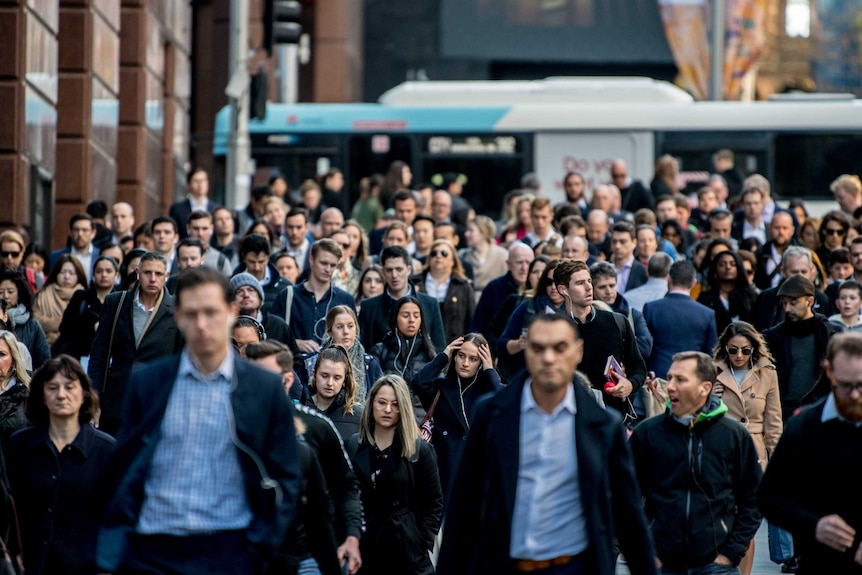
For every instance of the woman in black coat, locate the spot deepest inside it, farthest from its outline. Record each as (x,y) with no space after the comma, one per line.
(54,468)
(78,327)
(730,296)
(333,390)
(19,311)
(400,485)
(444,279)
(406,348)
(469,374)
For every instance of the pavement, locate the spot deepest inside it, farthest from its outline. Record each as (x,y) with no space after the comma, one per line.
(762,564)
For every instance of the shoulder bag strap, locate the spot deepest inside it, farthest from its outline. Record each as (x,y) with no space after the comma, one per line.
(111,341)
(288,302)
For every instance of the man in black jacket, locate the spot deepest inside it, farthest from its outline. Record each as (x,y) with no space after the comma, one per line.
(825,521)
(798,345)
(699,473)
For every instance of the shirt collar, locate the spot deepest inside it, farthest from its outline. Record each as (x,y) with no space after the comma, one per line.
(81,443)
(528,402)
(628,263)
(408,294)
(224,371)
(86,253)
(830,412)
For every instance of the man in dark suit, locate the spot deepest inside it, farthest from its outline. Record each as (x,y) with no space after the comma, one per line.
(82,230)
(135,326)
(631,273)
(205,477)
(677,322)
(545,479)
(374,314)
(198,199)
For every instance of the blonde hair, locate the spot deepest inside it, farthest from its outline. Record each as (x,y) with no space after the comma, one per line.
(338,354)
(18,366)
(13,236)
(848,183)
(457,268)
(407,429)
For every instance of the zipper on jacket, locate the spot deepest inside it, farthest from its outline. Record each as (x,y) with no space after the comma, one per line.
(266,482)
(688,490)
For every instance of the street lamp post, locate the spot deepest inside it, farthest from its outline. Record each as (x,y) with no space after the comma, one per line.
(238,178)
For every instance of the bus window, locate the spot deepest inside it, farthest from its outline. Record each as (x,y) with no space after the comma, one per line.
(371,154)
(805,164)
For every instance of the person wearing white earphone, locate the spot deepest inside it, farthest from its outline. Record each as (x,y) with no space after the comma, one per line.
(604,334)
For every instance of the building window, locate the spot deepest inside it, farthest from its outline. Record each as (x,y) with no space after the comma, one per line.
(797,18)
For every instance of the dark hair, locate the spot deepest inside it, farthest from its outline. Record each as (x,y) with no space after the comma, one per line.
(192,172)
(566,269)
(564,211)
(253,244)
(154,257)
(834,216)
(422,218)
(402,196)
(82,217)
(798,203)
(297,211)
(193,243)
(98,209)
(25,296)
(569,222)
(839,256)
(423,336)
(704,368)
(164,220)
(358,296)
(475,338)
(197,277)
(260,192)
(145,229)
(624,228)
(127,279)
(200,215)
(67,259)
(707,258)
(603,270)
(114,263)
(395,252)
(67,366)
(677,227)
(264,349)
(545,317)
(848,285)
(682,274)
(748,331)
(741,281)
(37,249)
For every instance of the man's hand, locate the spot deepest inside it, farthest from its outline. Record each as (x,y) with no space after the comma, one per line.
(307,345)
(834,532)
(349,551)
(722,560)
(623,388)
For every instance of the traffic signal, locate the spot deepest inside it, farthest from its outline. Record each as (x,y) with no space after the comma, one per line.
(281,23)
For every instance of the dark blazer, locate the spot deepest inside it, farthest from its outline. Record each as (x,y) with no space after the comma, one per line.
(374,319)
(78,326)
(678,323)
(180,212)
(110,375)
(481,503)
(402,505)
(266,444)
(742,303)
(55,255)
(788,499)
(637,277)
(457,309)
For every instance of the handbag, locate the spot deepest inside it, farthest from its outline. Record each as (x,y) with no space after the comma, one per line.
(426,428)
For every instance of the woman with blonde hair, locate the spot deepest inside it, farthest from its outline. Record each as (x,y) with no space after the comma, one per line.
(664,180)
(521,223)
(66,277)
(332,390)
(399,482)
(14,387)
(443,279)
(748,385)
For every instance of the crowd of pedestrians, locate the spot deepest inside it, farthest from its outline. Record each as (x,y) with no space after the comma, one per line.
(403,386)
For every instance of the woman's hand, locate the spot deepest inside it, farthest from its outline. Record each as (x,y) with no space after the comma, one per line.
(454,346)
(485,356)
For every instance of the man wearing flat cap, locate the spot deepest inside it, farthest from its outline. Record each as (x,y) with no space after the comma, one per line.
(798,345)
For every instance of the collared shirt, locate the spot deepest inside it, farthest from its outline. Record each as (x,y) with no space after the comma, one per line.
(141,305)
(198,206)
(771,264)
(623,274)
(759,232)
(830,412)
(308,314)
(86,259)
(300,254)
(549,516)
(437,290)
(196,484)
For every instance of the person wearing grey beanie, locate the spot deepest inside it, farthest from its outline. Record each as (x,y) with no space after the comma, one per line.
(249,296)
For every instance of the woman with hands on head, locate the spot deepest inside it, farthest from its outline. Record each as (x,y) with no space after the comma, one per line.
(461,374)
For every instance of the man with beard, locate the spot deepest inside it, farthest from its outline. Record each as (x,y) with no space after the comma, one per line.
(826,522)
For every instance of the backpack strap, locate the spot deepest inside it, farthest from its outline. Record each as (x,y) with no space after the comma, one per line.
(621,325)
(111,341)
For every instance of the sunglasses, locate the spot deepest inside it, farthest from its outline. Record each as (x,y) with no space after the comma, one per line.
(736,350)
(444,253)
(9,254)
(834,232)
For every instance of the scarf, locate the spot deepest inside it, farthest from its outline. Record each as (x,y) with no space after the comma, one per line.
(51,302)
(18,316)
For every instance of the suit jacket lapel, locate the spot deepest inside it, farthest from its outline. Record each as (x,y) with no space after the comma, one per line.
(506,439)
(587,437)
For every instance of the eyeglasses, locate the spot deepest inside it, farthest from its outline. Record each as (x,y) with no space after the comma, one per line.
(5,255)
(847,387)
(736,350)
(382,404)
(444,253)
(834,231)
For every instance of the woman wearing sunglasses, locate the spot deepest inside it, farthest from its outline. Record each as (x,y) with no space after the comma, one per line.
(444,279)
(748,384)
